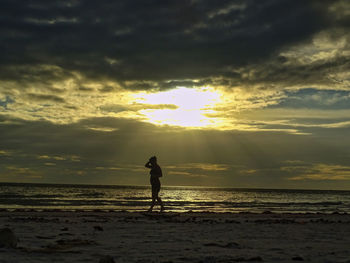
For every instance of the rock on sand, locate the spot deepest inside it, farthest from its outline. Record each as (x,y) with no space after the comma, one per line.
(106,259)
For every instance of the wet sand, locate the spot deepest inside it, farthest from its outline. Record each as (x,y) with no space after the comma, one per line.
(88,236)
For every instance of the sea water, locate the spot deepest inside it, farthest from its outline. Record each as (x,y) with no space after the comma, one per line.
(176,199)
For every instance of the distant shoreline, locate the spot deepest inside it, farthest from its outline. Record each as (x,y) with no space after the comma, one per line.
(171,187)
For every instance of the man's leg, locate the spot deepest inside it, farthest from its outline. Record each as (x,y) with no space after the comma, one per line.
(161,203)
(154,197)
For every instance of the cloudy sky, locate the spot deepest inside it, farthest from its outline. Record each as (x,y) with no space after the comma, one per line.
(226,93)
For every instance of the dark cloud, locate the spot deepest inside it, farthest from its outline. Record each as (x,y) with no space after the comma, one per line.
(283,73)
(44,97)
(156,40)
(136,107)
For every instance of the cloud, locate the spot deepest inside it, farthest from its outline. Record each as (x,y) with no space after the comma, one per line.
(70,70)
(222,158)
(259,53)
(136,107)
(5,153)
(319,172)
(21,170)
(187,39)
(45,98)
(316,99)
(72,158)
(7,100)
(186,174)
(196,169)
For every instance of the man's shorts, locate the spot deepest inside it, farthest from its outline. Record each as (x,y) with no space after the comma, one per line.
(155,188)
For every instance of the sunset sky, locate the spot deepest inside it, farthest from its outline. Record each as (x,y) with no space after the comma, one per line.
(225,93)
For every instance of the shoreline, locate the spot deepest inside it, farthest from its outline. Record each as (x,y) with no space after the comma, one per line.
(147,186)
(156,211)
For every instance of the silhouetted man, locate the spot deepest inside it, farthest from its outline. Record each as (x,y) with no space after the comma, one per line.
(155,172)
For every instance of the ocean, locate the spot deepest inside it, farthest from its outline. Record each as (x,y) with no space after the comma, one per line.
(176,199)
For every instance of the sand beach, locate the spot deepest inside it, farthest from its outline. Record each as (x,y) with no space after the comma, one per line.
(110,236)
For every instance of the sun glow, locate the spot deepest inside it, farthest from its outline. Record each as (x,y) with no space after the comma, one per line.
(187,107)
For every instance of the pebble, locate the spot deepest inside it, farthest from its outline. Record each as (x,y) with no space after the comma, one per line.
(98,228)
(297,258)
(106,259)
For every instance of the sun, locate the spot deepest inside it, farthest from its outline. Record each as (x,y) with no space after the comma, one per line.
(185,107)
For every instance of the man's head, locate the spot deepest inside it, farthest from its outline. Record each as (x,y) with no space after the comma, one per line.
(153,160)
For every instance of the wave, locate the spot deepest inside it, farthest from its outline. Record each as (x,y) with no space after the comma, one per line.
(143,201)
(11,195)
(16,195)
(45,196)
(91,195)
(137,198)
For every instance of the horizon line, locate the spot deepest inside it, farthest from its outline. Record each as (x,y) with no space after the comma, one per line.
(175,186)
